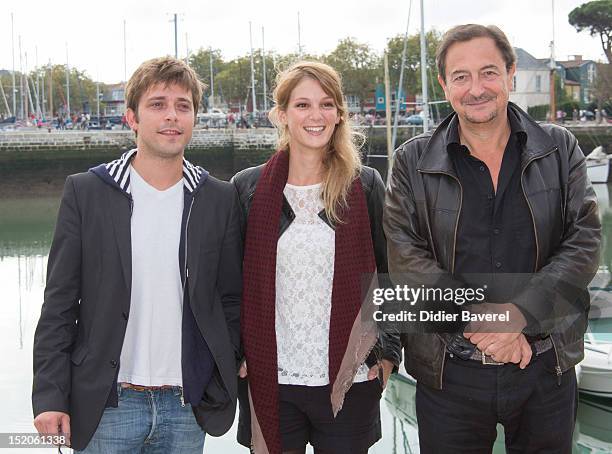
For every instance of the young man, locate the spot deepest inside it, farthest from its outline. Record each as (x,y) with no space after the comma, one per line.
(137,345)
(492,195)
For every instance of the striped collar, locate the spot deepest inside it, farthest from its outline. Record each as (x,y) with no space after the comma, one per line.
(119,170)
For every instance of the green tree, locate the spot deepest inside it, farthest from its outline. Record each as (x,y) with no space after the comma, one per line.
(358,65)
(82,90)
(234,80)
(602,88)
(412,68)
(200,62)
(596,17)
(7,86)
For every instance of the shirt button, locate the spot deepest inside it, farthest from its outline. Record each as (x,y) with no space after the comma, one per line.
(113,363)
(496,231)
(482,169)
(497,264)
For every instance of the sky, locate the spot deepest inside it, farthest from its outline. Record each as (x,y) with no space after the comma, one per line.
(90,35)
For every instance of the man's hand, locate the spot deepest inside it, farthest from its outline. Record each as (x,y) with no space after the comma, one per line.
(387,367)
(503,341)
(243,370)
(492,343)
(491,336)
(53,423)
(518,352)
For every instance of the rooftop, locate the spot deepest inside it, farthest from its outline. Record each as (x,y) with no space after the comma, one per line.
(524,60)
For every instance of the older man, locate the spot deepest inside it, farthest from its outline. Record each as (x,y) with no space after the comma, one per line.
(492,193)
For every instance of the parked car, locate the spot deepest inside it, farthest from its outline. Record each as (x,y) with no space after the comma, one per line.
(414,120)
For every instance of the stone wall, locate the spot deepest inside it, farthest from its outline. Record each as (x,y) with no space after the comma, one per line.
(234,139)
(120,140)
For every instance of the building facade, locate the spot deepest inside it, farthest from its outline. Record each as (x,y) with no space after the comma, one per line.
(579,77)
(531,83)
(113,99)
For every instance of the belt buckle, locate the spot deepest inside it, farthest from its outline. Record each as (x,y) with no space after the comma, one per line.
(487,360)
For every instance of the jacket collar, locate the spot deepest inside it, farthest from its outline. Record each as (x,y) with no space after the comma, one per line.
(435,157)
(117,173)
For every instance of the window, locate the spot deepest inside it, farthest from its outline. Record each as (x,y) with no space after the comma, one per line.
(591,73)
(352,101)
(538,83)
(117,95)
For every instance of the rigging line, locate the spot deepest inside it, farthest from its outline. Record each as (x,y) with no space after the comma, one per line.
(401,79)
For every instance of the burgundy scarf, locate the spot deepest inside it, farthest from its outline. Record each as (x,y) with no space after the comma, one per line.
(354,256)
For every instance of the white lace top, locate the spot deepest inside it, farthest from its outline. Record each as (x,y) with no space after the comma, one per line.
(304,274)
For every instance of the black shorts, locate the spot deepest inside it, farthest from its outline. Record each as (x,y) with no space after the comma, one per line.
(306,417)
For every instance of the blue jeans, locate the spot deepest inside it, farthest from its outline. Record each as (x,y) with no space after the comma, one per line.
(147,422)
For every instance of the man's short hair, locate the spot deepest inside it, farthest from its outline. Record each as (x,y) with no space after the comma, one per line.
(166,71)
(467,32)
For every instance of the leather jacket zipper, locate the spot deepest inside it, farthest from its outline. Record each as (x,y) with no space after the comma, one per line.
(454,245)
(458,212)
(558,370)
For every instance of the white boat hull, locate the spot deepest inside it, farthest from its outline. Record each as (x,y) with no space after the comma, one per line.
(596,370)
(599,171)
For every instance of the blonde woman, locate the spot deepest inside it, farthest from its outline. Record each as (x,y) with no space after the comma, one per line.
(313,229)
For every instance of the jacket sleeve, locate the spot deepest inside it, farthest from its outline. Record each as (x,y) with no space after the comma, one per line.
(229,281)
(389,341)
(557,290)
(243,202)
(57,327)
(407,245)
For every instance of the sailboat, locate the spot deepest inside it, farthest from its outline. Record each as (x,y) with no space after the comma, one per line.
(598,166)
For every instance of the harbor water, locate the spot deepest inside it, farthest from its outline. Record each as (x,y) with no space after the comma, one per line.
(26,228)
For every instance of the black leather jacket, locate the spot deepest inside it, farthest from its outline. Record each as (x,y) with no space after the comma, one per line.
(422,210)
(388,347)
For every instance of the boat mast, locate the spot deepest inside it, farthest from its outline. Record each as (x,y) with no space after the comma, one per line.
(175,36)
(252,71)
(401,80)
(21,111)
(4,99)
(263,57)
(299,37)
(124,54)
(424,72)
(553,107)
(67,84)
(13,75)
(212,80)
(388,116)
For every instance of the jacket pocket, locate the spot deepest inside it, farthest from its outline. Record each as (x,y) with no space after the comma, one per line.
(215,396)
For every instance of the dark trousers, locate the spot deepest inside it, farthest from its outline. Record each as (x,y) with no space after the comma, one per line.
(538,414)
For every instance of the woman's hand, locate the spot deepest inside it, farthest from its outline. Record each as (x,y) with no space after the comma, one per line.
(242,372)
(387,367)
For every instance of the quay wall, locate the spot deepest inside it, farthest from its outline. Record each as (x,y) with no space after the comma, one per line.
(38,140)
(236,139)
(38,160)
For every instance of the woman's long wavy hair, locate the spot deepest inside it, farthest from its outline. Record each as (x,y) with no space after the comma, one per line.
(342,162)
